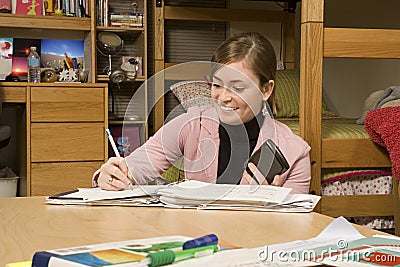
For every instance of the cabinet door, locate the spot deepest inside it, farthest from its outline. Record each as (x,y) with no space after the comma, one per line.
(52,142)
(53,178)
(67,104)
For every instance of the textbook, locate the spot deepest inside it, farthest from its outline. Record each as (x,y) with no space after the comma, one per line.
(140,252)
(106,254)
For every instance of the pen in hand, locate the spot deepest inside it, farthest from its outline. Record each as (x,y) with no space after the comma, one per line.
(111,139)
(116,152)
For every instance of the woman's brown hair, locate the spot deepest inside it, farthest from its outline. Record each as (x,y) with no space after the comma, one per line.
(257,54)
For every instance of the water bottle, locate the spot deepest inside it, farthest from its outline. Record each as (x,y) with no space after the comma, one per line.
(33,66)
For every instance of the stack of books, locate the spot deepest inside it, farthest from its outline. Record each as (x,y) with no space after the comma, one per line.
(120,19)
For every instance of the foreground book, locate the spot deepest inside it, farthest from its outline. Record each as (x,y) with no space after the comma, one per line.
(141,252)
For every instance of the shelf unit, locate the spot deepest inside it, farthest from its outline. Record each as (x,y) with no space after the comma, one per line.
(135,45)
(60,138)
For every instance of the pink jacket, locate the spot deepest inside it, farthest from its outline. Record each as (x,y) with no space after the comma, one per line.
(194,135)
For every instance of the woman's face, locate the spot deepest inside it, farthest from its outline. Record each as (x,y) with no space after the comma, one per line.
(236,93)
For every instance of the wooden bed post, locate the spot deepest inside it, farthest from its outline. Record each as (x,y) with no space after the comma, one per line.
(311,54)
(289,43)
(158,7)
(396,205)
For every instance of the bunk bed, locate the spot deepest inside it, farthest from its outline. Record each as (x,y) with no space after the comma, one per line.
(319,42)
(357,151)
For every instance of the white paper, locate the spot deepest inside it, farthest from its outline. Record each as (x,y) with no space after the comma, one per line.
(207,192)
(96,193)
(339,228)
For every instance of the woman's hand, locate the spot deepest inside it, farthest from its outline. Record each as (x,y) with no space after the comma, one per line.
(114,175)
(259,176)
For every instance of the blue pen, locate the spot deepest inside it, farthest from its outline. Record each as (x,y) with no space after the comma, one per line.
(207,240)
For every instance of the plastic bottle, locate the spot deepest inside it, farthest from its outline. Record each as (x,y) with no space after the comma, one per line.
(33,66)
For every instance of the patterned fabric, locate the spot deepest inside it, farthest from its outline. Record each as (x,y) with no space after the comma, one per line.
(363,185)
(192,93)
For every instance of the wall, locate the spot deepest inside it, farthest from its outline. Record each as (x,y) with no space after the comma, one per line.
(348,82)
(271,30)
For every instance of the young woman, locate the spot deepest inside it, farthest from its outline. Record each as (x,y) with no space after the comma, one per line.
(216,142)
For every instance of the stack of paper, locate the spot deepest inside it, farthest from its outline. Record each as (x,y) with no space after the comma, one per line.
(196,194)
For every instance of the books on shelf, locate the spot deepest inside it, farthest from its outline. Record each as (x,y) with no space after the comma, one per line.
(29,7)
(126,19)
(74,8)
(194,194)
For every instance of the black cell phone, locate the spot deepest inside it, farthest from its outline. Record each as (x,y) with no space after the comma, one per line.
(269,161)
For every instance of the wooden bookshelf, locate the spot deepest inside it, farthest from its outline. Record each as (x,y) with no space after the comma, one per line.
(45,22)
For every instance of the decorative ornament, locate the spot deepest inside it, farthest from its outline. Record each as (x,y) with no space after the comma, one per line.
(70,75)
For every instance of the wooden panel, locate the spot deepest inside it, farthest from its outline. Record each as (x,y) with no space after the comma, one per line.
(51,142)
(312,11)
(158,34)
(55,104)
(222,14)
(44,22)
(189,71)
(158,96)
(396,200)
(289,31)
(361,43)
(52,178)
(353,153)
(311,95)
(13,94)
(365,205)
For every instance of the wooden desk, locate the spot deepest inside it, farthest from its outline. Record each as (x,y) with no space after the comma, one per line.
(28,225)
(60,134)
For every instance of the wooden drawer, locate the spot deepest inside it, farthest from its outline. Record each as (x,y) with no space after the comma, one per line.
(53,178)
(53,142)
(69,104)
(13,94)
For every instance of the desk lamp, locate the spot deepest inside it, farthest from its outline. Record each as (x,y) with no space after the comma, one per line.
(110,44)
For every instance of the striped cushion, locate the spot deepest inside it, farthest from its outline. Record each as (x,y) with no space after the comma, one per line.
(287,92)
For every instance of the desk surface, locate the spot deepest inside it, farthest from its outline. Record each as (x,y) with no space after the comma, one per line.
(28,225)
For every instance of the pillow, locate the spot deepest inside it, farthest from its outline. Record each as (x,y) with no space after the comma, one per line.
(287,93)
(192,93)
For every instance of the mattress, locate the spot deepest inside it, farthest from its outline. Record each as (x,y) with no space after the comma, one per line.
(332,127)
